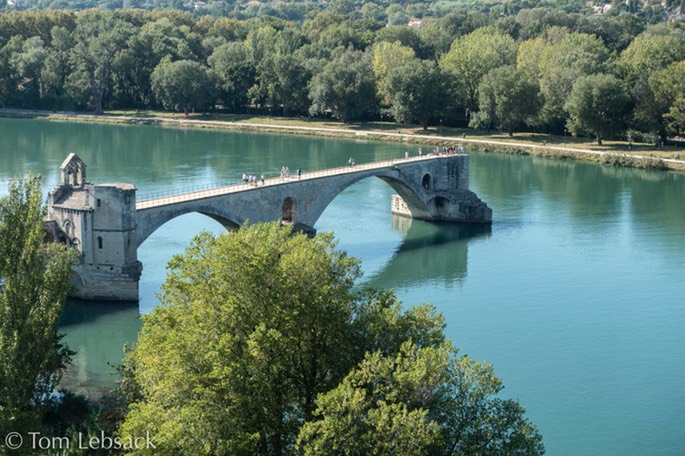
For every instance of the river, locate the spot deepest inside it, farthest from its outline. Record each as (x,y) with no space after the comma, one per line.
(576,294)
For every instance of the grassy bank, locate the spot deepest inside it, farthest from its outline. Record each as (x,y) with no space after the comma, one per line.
(612,153)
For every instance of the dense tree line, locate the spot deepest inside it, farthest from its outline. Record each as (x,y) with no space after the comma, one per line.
(542,69)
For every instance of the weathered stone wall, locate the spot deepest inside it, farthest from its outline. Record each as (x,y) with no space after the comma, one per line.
(114,225)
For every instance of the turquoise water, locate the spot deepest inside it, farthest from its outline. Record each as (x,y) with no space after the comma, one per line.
(576,294)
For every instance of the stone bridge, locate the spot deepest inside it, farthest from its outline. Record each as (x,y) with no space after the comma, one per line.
(107,225)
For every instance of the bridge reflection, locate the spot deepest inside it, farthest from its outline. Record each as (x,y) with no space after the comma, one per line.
(431,252)
(97,331)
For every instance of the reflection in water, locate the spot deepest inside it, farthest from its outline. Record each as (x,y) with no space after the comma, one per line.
(429,253)
(97,332)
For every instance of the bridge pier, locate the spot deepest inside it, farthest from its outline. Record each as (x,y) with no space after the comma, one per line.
(106,224)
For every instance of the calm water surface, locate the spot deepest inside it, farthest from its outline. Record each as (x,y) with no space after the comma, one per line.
(576,293)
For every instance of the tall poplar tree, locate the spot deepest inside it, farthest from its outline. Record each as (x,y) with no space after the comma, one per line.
(34,279)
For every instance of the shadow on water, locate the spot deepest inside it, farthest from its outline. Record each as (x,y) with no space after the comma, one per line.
(431,252)
(97,332)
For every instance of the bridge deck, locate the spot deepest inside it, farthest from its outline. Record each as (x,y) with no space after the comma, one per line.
(275,181)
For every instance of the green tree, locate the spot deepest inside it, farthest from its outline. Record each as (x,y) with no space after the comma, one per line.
(562,62)
(29,64)
(555,61)
(650,52)
(57,66)
(386,56)
(236,71)
(9,78)
(668,88)
(598,104)
(381,408)
(675,117)
(271,310)
(34,279)
(100,38)
(422,400)
(259,323)
(182,86)
(163,37)
(417,92)
(255,325)
(473,56)
(373,11)
(342,7)
(282,71)
(507,99)
(345,86)
(401,34)
(285,78)
(647,54)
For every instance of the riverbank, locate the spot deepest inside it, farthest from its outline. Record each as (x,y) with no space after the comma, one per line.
(613,153)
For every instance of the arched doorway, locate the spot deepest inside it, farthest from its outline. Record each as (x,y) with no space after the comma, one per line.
(288,210)
(426,181)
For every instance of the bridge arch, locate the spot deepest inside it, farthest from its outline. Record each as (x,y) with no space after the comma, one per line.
(150,220)
(410,190)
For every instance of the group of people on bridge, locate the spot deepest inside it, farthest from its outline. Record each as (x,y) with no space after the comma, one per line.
(285,172)
(451,150)
(252,179)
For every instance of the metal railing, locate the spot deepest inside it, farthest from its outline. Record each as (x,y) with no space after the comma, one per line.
(177,195)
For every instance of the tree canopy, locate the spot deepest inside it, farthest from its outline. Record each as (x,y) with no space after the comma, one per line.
(182,85)
(260,326)
(507,99)
(598,104)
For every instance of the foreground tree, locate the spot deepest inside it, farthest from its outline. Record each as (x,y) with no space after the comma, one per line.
(34,279)
(598,105)
(417,402)
(256,325)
